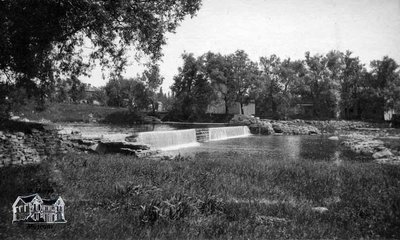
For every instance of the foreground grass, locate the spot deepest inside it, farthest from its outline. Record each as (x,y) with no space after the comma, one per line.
(231,196)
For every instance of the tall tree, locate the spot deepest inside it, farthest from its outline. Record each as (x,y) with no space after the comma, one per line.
(132,93)
(269,86)
(41,40)
(153,79)
(386,81)
(77,91)
(318,86)
(335,65)
(216,69)
(192,90)
(242,77)
(351,86)
(279,85)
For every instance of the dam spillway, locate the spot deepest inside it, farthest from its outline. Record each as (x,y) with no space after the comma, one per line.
(167,140)
(223,133)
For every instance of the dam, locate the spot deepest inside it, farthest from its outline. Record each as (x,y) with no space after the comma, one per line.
(168,140)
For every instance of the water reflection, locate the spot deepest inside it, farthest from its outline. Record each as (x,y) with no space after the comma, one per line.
(285,148)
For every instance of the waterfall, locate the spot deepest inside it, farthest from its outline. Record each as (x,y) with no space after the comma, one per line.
(167,140)
(222,133)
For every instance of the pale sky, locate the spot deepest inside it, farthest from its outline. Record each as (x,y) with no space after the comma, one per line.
(287,28)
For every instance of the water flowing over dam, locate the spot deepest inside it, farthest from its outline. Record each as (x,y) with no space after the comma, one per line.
(223,133)
(167,140)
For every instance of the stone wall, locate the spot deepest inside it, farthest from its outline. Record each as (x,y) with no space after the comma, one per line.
(19,148)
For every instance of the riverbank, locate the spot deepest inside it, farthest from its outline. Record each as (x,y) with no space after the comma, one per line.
(300,127)
(381,145)
(65,112)
(82,113)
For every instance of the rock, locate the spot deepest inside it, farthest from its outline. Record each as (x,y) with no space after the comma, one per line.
(314,131)
(120,147)
(132,138)
(266,129)
(277,128)
(254,128)
(362,144)
(394,160)
(296,131)
(319,209)
(382,154)
(246,122)
(44,121)
(86,142)
(334,138)
(239,119)
(94,147)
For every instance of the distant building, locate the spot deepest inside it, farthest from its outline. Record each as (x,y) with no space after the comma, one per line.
(305,109)
(248,109)
(388,115)
(160,107)
(220,108)
(33,208)
(90,90)
(216,107)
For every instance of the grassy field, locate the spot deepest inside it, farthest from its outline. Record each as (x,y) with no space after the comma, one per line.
(64,112)
(234,196)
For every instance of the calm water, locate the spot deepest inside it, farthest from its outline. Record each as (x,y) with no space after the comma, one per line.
(314,148)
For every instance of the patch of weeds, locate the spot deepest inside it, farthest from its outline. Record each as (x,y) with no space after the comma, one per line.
(211,205)
(173,209)
(130,188)
(176,158)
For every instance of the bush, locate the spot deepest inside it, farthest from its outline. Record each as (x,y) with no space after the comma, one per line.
(396,120)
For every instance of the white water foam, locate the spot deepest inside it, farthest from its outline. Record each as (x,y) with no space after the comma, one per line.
(169,140)
(223,133)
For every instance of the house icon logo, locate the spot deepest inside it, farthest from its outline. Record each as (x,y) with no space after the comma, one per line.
(34,209)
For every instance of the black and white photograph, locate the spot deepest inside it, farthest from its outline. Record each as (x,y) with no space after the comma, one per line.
(199,119)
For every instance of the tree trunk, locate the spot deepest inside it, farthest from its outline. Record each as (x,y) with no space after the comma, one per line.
(226,106)
(153,106)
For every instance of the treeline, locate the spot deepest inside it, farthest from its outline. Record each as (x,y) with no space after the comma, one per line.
(139,93)
(333,85)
